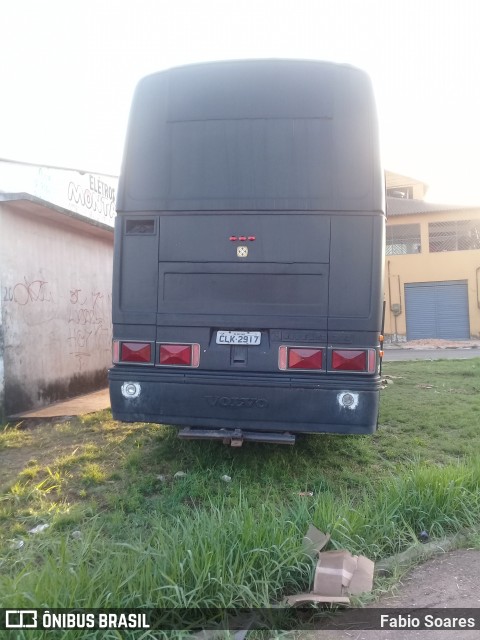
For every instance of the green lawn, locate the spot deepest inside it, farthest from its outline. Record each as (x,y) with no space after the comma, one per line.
(124,532)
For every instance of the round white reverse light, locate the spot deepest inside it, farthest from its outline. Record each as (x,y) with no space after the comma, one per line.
(131,389)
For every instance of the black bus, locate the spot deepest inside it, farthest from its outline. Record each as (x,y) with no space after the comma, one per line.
(249,244)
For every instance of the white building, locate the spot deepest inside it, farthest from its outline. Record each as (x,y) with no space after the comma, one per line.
(56,247)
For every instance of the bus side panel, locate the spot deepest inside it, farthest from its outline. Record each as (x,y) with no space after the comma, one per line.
(356,273)
(135,284)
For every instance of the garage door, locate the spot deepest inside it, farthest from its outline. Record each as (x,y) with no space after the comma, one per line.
(437,310)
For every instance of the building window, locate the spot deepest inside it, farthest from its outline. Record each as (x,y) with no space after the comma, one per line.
(403,239)
(454,235)
(400,192)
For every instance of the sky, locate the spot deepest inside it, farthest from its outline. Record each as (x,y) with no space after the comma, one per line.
(68,69)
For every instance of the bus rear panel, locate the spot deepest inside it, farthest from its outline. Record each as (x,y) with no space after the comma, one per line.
(248,258)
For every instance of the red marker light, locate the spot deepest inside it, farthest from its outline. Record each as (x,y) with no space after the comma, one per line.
(242,238)
(233,238)
(251,238)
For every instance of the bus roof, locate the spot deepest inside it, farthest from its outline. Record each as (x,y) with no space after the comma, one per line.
(253,135)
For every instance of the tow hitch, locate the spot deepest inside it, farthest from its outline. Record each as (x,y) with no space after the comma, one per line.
(236,437)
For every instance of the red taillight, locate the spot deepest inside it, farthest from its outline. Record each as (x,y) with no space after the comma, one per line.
(179,355)
(304,358)
(135,352)
(356,360)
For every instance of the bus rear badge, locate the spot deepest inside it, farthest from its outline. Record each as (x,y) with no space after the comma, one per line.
(242,252)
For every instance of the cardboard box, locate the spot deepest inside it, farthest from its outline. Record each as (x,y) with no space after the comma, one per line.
(338,574)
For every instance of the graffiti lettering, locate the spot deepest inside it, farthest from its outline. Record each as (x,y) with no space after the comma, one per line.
(102,338)
(78,339)
(81,317)
(89,323)
(93,314)
(27,292)
(74,296)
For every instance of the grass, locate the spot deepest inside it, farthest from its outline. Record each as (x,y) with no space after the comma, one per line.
(123,532)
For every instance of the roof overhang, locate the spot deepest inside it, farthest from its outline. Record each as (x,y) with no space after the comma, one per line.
(28,204)
(408,206)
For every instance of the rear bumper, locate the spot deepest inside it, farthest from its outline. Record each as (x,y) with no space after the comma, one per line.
(250,402)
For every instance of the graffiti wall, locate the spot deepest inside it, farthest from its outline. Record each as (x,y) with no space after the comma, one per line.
(56,307)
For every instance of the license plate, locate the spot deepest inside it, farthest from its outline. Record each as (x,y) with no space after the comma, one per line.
(239,337)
